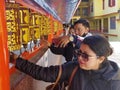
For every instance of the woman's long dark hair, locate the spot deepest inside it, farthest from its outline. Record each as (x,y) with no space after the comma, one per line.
(99,45)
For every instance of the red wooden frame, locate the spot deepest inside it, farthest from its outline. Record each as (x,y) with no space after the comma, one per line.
(4,66)
(5,72)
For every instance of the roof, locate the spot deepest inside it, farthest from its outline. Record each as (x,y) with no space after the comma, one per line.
(62,10)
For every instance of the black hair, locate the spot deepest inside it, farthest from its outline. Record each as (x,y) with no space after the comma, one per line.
(99,45)
(84,22)
(72,27)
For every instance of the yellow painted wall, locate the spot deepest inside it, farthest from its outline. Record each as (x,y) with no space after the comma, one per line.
(115,31)
(100,14)
(97,7)
(107,13)
(108,9)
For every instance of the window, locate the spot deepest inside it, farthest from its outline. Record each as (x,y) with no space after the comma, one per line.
(85,0)
(111,3)
(85,11)
(91,7)
(113,22)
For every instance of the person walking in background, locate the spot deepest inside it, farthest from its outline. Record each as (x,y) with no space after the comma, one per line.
(94,72)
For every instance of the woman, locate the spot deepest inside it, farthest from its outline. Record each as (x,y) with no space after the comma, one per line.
(95,71)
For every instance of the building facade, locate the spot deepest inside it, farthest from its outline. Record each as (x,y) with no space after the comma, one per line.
(104,16)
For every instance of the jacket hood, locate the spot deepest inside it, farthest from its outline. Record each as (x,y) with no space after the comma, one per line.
(109,71)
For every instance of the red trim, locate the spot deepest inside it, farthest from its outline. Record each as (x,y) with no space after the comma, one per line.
(4,66)
(33,7)
(111,3)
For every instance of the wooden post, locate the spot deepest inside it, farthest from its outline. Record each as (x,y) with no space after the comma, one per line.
(4,63)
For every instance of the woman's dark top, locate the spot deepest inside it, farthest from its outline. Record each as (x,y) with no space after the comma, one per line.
(106,78)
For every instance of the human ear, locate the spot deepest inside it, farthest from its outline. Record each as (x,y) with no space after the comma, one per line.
(101,59)
(87,29)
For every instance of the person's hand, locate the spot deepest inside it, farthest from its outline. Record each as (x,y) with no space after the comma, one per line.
(55,41)
(13,57)
(64,40)
(44,42)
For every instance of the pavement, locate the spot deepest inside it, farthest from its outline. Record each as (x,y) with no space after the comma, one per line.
(116,52)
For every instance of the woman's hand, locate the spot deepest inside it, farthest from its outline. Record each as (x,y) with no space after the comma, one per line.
(13,57)
(44,42)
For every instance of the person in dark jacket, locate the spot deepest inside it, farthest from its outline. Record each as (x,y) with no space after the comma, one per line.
(66,51)
(95,71)
(82,29)
(69,43)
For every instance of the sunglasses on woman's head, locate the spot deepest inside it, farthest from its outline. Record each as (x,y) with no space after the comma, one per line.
(85,56)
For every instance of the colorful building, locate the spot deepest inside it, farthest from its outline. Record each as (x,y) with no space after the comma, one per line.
(104,16)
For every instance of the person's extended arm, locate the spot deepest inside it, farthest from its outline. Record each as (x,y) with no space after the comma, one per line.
(57,50)
(66,39)
(48,74)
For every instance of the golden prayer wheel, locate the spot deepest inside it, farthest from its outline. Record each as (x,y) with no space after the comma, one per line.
(12,26)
